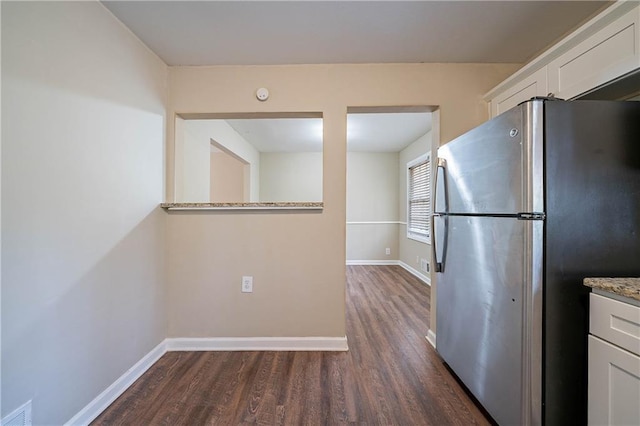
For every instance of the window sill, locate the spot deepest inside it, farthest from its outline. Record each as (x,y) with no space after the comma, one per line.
(420,239)
(242,206)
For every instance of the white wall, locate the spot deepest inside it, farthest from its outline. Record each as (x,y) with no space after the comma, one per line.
(372,199)
(180,134)
(412,251)
(290,176)
(195,166)
(83,114)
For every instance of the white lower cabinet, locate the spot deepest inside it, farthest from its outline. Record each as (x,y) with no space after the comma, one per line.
(614,385)
(614,362)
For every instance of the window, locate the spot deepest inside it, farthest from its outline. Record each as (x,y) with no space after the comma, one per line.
(419,198)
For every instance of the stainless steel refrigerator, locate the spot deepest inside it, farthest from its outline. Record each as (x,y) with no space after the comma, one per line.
(526,206)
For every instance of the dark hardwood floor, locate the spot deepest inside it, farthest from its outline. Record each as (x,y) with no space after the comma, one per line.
(389,376)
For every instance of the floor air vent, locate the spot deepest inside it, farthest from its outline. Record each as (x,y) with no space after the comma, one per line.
(19,417)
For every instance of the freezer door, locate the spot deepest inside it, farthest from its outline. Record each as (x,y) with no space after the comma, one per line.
(495,168)
(486,328)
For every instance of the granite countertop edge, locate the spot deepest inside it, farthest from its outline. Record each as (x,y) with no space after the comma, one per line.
(627,287)
(261,205)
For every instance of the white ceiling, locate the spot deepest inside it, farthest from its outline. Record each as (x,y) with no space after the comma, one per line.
(370,132)
(310,32)
(385,132)
(281,134)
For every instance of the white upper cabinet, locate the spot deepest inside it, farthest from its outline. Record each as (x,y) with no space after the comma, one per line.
(605,56)
(604,49)
(527,88)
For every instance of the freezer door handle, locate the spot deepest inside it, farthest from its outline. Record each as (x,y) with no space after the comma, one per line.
(439,240)
(440,201)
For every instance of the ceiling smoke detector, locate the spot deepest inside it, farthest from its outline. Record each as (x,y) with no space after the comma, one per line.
(262,94)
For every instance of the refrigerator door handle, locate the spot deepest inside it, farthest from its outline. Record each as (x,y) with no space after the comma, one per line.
(438,221)
(440,199)
(439,240)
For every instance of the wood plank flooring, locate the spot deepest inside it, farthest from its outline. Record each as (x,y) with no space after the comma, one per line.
(389,376)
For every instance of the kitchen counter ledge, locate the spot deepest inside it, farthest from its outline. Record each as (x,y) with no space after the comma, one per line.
(243,206)
(626,287)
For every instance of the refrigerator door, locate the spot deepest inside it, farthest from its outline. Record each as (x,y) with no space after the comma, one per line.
(495,168)
(485,311)
(592,230)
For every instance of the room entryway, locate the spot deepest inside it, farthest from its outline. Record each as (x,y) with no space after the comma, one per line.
(389,174)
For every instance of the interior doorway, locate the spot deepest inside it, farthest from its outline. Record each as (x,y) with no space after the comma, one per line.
(383,144)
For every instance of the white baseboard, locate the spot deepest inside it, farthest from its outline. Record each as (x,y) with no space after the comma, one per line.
(425,279)
(102,401)
(431,338)
(372,262)
(422,277)
(106,398)
(257,344)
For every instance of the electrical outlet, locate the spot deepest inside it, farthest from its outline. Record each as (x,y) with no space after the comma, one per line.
(247,284)
(424,264)
(387,251)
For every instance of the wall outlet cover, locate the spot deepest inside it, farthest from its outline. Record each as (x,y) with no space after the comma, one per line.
(247,284)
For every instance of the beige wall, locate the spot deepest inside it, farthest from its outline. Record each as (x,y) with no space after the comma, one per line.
(226,138)
(411,251)
(366,243)
(297,259)
(191,154)
(372,198)
(227,178)
(83,106)
(1,412)
(290,176)
(372,186)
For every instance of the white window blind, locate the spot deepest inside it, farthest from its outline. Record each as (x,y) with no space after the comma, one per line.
(419,198)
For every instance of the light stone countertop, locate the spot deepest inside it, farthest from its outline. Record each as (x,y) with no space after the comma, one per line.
(626,287)
(245,206)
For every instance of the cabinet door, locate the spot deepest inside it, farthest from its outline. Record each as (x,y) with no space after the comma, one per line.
(616,322)
(608,54)
(614,385)
(534,85)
